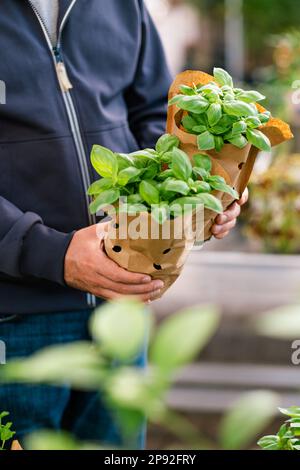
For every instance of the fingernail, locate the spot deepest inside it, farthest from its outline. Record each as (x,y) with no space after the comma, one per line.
(147,279)
(158,284)
(155,293)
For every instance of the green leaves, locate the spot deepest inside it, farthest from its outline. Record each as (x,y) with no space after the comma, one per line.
(206,141)
(195,104)
(203,161)
(176,186)
(5,430)
(166,143)
(239,109)
(247,418)
(259,140)
(218,183)
(181,165)
(104,199)
(222,77)
(222,114)
(214,114)
(105,162)
(149,193)
(193,326)
(210,202)
(120,328)
(128,174)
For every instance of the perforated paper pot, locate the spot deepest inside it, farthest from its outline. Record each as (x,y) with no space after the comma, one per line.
(161,254)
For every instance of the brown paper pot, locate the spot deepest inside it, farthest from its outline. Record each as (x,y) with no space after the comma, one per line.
(161,254)
(233,164)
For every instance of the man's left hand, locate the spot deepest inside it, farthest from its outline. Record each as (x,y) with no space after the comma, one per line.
(225,222)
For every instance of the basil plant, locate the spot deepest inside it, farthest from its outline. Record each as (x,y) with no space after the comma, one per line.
(220,114)
(162,181)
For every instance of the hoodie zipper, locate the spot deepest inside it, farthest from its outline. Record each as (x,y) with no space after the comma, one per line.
(66,86)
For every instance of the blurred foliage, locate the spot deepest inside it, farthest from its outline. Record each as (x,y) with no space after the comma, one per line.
(277,79)
(273,213)
(268,16)
(118,330)
(281,323)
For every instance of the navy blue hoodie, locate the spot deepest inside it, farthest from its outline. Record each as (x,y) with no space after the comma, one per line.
(115,64)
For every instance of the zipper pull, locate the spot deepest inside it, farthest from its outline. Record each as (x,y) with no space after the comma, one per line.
(63,78)
(61,71)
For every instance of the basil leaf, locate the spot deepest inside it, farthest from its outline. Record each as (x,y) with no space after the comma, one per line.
(224,188)
(204,174)
(149,193)
(222,77)
(187,90)
(206,141)
(258,139)
(99,186)
(199,129)
(239,108)
(251,96)
(188,123)
(104,199)
(165,174)
(176,186)
(195,104)
(184,205)
(105,162)
(202,187)
(124,161)
(253,122)
(214,114)
(239,141)
(166,143)
(134,199)
(210,202)
(238,128)
(151,171)
(181,165)
(219,143)
(264,117)
(127,175)
(203,161)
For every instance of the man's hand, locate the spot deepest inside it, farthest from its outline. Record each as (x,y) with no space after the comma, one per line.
(89,269)
(225,222)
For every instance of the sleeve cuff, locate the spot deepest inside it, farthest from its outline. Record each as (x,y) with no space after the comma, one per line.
(43,253)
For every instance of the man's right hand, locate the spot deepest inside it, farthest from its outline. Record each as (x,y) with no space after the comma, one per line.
(88,268)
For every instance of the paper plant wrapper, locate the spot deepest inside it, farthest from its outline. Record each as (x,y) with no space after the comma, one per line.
(233,164)
(162,250)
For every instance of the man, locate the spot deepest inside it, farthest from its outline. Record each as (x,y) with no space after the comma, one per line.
(77,73)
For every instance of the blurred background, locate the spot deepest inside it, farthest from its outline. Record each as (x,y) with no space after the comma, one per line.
(257,268)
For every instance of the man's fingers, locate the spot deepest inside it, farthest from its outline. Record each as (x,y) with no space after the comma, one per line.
(219,230)
(114,272)
(232,213)
(222,235)
(108,294)
(127,289)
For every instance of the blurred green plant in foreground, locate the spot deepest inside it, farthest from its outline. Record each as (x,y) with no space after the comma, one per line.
(273,214)
(118,331)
